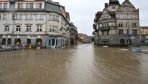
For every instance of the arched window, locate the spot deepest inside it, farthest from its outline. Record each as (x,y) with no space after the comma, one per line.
(18,28)
(39,28)
(28,28)
(39,41)
(9,41)
(6,28)
(53,42)
(49,42)
(122,42)
(4,41)
(28,41)
(18,41)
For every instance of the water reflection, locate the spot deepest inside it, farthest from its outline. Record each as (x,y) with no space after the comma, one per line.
(80,68)
(118,67)
(82,64)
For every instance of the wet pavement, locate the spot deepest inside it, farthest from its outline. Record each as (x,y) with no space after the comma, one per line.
(82,64)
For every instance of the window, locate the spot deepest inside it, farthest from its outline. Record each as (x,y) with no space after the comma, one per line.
(50,17)
(18,28)
(6,28)
(39,28)
(18,16)
(28,28)
(50,28)
(28,41)
(3,41)
(56,29)
(127,24)
(53,17)
(29,5)
(127,31)
(53,42)
(107,32)
(39,5)
(120,31)
(49,42)
(20,5)
(120,25)
(9,41)
(41,17)
(134,32)
(37,16)
(53,29)
(134,25)
(5,5)
(29,17)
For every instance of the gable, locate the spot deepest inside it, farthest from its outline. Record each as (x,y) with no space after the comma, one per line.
(125,9)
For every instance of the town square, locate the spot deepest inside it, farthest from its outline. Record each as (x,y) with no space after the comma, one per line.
(73,42)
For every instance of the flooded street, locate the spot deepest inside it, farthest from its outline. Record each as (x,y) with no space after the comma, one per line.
(82,64)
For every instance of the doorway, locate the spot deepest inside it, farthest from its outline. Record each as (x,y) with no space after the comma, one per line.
(122,42)
(39,41)
(4,41)
(18,41)
(9,41)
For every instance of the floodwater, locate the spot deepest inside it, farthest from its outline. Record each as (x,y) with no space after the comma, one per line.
(82,64)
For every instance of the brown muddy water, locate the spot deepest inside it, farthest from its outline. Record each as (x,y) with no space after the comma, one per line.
(82,64)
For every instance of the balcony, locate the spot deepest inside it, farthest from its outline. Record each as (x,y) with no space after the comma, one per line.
(4,10)
(30,10)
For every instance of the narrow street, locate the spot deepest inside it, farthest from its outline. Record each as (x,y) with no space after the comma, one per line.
(82,64)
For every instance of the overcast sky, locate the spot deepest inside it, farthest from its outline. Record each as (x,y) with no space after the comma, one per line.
(82,12)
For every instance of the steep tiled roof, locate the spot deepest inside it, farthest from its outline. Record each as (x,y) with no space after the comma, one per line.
(124,5)
(55,3)
(98,15)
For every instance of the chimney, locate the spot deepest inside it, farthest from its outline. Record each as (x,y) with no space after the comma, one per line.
(106,5)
